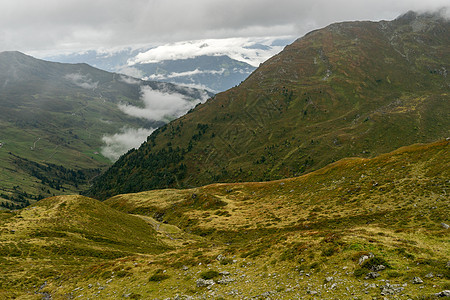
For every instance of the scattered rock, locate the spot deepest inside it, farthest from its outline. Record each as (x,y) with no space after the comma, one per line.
(185,268)
(372,275)
(224,273)
(202,282)
(429,275)
(182,297)
(267,294)
(444,293)
(328,279)
(225,280)
(417,280)
(391,289)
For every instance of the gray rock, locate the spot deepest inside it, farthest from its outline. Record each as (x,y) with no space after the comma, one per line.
(224,273)
(429,275)
(417,280)
(389,289)
(378,268)
(444,293)
(328,279)
(445,226)
(363,258)
(202,282)
(372,275)
(267,294)
(225,280)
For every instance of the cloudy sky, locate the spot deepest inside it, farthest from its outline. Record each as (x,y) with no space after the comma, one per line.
(47,25)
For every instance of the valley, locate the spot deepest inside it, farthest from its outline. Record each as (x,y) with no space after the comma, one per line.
(299,237)
(54,119)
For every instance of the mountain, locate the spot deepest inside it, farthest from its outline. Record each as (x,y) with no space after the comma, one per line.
(365,228)
(60,124)
(215,73)
(213,64)
(350,89)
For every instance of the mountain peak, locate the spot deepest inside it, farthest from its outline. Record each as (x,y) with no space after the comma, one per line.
(410,16)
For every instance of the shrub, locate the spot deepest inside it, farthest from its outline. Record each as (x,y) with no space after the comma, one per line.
(360,272)
(158,276)
(374,261)
(210,274)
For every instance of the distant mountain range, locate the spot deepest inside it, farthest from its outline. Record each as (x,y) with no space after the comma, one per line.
(60,124)
(350,89)
(214,64)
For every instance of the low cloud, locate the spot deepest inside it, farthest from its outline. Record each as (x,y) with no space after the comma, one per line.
(129,80)
(242,49)
(184,74)
(119,143)
(82,81)
(159,106)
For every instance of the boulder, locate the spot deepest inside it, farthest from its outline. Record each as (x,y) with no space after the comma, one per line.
(202,282)
(444,293)
(417,280)
(365,257)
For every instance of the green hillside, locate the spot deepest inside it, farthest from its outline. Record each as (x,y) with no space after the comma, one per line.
(52,120)
(294,238)
(64,234)
(354,89)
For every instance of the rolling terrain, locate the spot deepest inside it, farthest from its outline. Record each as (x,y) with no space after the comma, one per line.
(53,117)
(349,89)
(322,235)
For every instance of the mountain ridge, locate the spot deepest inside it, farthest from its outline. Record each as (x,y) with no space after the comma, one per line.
(349,89)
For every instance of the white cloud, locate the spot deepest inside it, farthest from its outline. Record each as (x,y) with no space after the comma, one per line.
(82,81)
(183,74)
(241,49)
(84,24)
(129,80)
(119,143)
(159,105)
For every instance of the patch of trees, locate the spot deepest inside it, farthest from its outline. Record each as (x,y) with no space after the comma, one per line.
(140,170)
(55,176)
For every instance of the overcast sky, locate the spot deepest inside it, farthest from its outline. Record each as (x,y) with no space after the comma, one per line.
(41,25)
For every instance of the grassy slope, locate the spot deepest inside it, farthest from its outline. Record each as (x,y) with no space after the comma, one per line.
(276,232)
(58,237)
(350,89)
